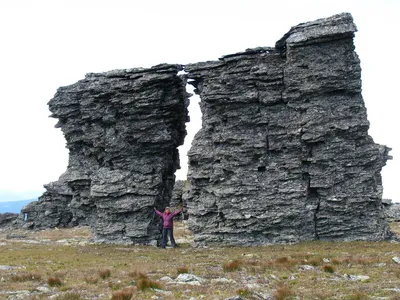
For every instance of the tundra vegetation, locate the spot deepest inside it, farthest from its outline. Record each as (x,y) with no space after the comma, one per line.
(64,264)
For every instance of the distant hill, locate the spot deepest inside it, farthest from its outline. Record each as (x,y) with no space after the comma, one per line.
(14,206)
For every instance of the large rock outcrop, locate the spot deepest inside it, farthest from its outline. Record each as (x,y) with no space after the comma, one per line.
(122,129)
(284,153)
(283,156)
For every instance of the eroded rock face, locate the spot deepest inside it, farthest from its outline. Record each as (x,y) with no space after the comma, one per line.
(283,156)
(392,210)
(177,192)
(122,130)
(178,199)
(284,153)
(7,220)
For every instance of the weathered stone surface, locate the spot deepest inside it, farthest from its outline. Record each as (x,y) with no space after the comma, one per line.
(176,199)
(7,220)
(284,153)
(122,129)
(392,210)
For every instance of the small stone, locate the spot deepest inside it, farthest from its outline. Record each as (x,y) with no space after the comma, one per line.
(381,265)
(19,295)
(186,277)
(262,296)
(167,293)
(253,286)
(166,278)
(43,289)
(223,280)
(251,255)
(396,259)
(356,277)
(7,268)
(274,277)
(306,268)
(394,290)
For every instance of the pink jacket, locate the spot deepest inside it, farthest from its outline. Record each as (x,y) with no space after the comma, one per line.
(168,218)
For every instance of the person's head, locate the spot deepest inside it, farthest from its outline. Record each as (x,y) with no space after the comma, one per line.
(167,210)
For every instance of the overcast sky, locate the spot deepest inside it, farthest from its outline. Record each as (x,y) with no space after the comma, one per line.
(45,44)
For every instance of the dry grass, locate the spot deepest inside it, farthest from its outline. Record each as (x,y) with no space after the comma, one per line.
(26,277)
(147,284)
(122,295)
(91,280)
(54,281)
(135,272)
(104,274)
(283,292)
(182,270)
(328,269)
(137,275)
(231,266)
(69,296)
(244,293)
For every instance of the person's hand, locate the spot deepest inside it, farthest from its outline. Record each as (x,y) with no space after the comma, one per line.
(154,208)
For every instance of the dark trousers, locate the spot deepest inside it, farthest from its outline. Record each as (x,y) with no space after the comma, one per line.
(165,233)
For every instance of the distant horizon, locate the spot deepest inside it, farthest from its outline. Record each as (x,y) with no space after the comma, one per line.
(19,196)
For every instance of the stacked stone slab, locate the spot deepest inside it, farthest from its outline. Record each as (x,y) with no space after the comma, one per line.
(122,130)
(284,153)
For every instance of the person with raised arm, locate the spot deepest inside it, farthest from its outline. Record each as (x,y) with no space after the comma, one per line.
(168,226)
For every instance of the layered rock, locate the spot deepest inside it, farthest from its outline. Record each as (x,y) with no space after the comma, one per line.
(392,210)
(122,129)
(284,153)
(177,199)
(7,220)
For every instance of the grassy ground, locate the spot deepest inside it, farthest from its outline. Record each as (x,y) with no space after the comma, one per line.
(62,265)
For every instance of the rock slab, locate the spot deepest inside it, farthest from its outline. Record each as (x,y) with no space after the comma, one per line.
(122,129)
(284,153)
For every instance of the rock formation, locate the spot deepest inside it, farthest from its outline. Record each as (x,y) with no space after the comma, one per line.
(122,130)
(284,153)
(283,156)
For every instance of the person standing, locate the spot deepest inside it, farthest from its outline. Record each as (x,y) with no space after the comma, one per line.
(168,226)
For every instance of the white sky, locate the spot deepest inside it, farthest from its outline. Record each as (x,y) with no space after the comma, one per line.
(45,44)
